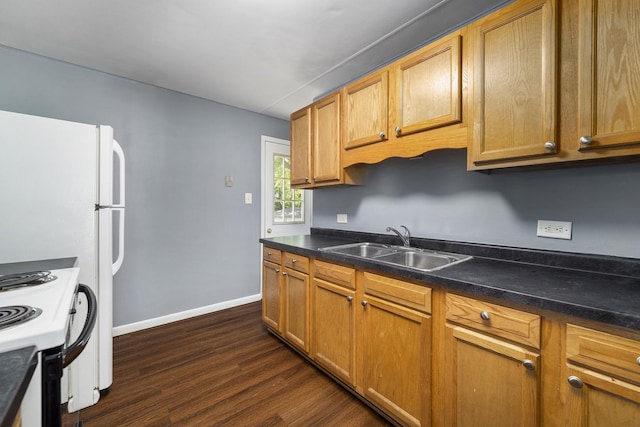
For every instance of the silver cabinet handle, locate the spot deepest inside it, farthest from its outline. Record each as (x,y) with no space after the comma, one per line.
(349,298)
(381,135)
(269,254)
(306,179)
(529,365)
(638,360)
(284,273)
(314,179)
(485,315)
(293,261)
(575,381)
(277,270)
(585,140)
(398,131)
(364,303)
(550,145)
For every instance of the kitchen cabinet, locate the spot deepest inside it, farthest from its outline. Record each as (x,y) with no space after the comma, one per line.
(334,320)
(603,373)
(271,288)
(491,356)
(365,110)
(515,85)
(295,272)
(414,105)
(396,348)
(316,146)
(609,83)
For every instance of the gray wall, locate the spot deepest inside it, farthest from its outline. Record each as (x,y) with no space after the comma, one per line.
(190,241)
(437,198)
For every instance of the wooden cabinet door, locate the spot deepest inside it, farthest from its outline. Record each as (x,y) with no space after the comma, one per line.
(271,293)
(609,81)
(326,140)
(301,139)
(515,83)
(427,90)
(365,110)
(397,360)
(599,400)
(334,329)
(489,382)
(296,308)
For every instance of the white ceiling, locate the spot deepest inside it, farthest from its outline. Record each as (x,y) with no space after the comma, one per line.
(268,56)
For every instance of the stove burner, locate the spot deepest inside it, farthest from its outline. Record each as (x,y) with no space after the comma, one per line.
(25,279)
(15,314)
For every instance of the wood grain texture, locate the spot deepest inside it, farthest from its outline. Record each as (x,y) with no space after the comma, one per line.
(301,140)
(365,110)
(326,139)
(220,369)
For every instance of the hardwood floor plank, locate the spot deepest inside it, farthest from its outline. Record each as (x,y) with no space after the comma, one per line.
(220,369)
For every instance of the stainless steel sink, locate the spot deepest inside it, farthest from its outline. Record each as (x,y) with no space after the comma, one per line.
(427,261)
(364,250)
(419,259)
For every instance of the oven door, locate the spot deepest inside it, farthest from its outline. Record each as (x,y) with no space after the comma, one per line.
(55,360)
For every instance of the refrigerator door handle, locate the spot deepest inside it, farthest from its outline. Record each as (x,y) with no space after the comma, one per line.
(120,207)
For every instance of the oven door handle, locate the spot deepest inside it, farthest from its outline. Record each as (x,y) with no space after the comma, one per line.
(71,352)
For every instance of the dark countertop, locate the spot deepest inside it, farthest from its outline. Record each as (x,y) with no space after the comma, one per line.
(16,369)
(600,288)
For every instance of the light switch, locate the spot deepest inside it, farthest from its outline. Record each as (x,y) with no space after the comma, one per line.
(248,198)
(228,181)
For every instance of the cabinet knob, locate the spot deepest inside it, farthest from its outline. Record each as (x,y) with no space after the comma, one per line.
(550,145)
(485,315)
(638,360)
(277,270)
(306,179)
(349,298)
(529,365)
(585,140)
(398,131)
(293,261)
(284,273)
(269,253)
(575,381)
(381,135)
(364,303)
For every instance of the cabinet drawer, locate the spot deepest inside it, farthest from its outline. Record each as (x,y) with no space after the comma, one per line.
(407,294)
(337,274)
(273,255)
(604,352)
(296,262)
(508,323)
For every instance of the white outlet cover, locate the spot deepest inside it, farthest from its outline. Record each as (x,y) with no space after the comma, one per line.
(341,218)
(248,198)
(554,229)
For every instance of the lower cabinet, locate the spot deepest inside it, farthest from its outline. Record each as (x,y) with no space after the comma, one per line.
(601,371)
(296,300)
(463,362)
(334,320)
(487,364)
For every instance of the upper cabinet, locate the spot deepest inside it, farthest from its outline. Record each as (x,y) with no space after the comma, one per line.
(515,83)
(556,82)
(412,106)
(365,110)
(316,146)
(609,82)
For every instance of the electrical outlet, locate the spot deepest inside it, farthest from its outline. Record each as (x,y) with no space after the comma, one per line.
(554,229)
(342,218)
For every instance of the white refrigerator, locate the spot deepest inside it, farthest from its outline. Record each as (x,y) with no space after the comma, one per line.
(62,195)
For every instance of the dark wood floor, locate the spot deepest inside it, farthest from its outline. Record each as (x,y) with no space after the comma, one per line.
(220,369)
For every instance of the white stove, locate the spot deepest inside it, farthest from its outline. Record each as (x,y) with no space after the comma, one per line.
(49,329)
(46,310)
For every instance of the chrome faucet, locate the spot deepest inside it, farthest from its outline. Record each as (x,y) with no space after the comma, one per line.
(404,237)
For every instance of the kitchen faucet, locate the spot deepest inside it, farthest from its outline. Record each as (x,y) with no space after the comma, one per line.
(404,237)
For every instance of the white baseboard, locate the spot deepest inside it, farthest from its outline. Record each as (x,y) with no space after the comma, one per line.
(163,320)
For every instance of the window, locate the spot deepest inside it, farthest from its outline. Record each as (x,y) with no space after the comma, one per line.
(288,203)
